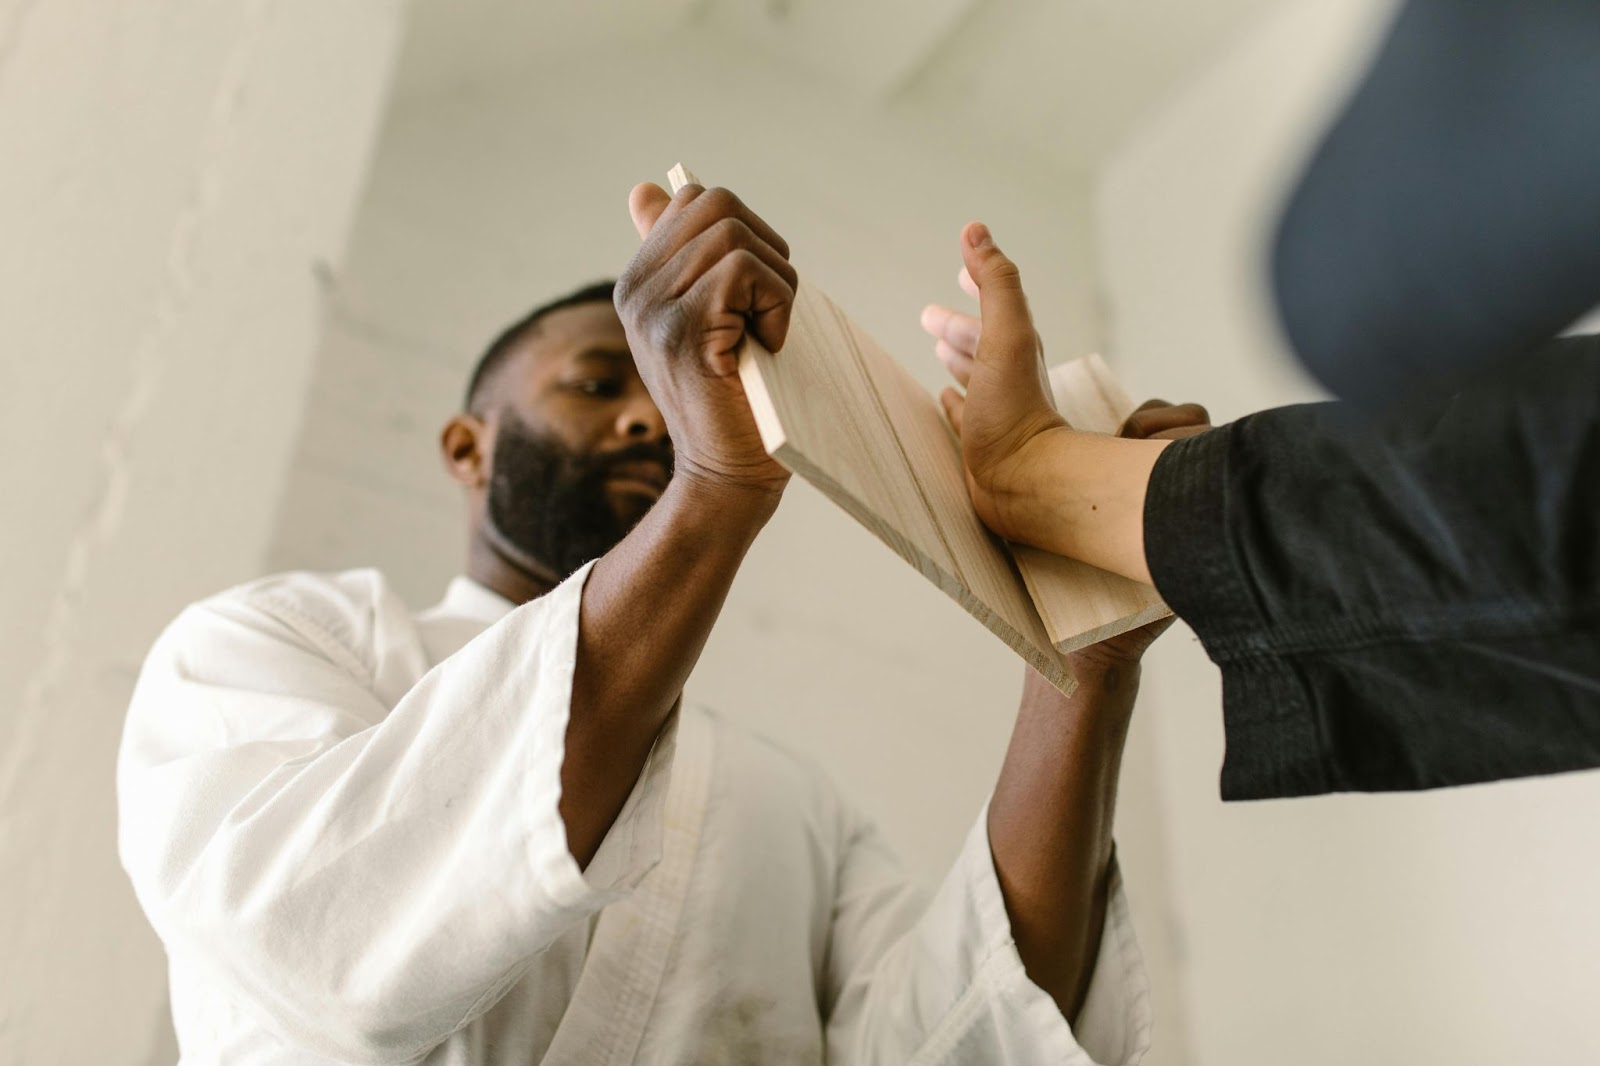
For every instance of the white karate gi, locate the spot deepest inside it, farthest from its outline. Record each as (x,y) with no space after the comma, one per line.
(341,819)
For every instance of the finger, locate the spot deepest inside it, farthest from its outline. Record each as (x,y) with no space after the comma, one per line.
(968,286)
(713,205)
(1150,421)
(652,212)
(742,292)
(645,204)
(955,405)
(1009,341)
(958,363)
(960,331)
(709,247)
(1180,432)
(1151,404)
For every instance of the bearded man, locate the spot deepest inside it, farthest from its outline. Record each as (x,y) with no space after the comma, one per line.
(489,833)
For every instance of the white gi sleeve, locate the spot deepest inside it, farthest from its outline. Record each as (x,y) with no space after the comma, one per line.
(941,984)
(366,880)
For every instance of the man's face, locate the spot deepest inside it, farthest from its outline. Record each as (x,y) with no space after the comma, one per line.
(580,450)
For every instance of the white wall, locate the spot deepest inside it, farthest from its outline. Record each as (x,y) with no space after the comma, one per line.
(170,175)
(486,202)
(1450,927)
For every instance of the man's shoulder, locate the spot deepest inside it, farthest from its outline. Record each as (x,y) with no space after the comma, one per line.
(343,611)
(331,598)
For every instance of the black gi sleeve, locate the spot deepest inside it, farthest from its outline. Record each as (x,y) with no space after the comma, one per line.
(1397,604)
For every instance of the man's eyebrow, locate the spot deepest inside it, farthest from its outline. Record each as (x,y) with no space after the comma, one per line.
(607,355)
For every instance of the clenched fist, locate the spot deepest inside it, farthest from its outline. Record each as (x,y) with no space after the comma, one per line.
(709,272)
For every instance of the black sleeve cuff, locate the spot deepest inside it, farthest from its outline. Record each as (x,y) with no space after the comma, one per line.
(1273,746)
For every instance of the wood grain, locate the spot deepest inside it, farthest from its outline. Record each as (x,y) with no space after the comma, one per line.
(850,420)
(840,412)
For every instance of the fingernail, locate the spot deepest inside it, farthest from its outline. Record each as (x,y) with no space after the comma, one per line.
(981,237)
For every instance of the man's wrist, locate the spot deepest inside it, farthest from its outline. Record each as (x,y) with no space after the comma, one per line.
(722,501)
(1104,675)
(1030,503)
(1083,497)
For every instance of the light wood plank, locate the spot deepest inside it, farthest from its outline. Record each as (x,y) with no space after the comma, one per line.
(855,424)
(840,412)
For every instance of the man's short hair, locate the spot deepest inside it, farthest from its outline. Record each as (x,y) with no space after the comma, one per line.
(496,355)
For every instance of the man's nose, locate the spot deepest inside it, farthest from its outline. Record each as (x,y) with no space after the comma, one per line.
(641,420)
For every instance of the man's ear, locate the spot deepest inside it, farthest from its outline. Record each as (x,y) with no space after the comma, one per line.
(465,446)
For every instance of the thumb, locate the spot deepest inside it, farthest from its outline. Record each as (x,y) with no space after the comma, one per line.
(1009,341)
(645,204)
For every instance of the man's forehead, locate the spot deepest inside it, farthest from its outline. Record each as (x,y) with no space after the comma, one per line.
(576,329)
(559,340)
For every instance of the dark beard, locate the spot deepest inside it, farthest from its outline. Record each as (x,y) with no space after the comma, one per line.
(548,503)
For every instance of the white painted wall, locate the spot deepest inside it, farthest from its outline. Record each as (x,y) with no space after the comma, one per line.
(487,201)
(1454,927)
(170,176)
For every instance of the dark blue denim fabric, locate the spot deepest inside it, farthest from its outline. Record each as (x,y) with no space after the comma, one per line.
(1451,217)
(1405,603)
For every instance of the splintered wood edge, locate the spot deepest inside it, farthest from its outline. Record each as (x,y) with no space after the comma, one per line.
(1114,628)
(679,176)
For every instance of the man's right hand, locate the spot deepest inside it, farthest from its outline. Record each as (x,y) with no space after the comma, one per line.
(709,271)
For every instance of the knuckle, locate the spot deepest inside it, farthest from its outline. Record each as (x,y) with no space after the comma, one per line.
(627,286)
(635,283)
(744,261)
(730,233)
(1003,269)
(669,326)
(721,200)
(741,267)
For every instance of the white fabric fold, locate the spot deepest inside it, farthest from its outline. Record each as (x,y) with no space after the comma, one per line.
(951,988)
(342,819)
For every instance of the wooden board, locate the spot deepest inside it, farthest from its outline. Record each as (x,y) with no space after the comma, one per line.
(840,412)
(1082,604)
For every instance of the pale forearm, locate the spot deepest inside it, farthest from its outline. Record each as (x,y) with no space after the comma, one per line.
(1082,495)
(1050,825)
(648,609)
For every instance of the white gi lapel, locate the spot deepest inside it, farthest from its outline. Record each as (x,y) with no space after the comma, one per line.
(604,1023)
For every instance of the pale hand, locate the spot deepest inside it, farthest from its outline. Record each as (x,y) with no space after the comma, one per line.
(1006,422)
(1006,419)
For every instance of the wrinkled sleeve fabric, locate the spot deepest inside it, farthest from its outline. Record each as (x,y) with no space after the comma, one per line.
(940,983)
(366,879)
(1448,219)
(1405,603)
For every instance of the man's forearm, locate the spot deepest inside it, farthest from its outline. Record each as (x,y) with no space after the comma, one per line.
(648,609)
(1050,824)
